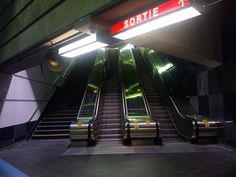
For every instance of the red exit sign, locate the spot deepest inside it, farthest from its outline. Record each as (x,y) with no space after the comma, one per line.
(149,15)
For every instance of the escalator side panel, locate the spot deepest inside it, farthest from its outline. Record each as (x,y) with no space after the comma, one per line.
(85,128)
(138,122)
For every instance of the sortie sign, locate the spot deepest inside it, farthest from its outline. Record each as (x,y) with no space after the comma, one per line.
(149,15)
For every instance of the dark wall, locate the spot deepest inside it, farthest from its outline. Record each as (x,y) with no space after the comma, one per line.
(217,87)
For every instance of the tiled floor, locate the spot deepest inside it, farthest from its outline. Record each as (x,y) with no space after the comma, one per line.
(54,159)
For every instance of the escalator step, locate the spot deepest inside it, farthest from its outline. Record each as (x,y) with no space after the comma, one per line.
(106,108)
(110,131)
(158,107)
(110,121)
(160,111)
(108,125)
(169,135)
(168,131)
(166,125)
(110,111)
(167,120)
(110,136)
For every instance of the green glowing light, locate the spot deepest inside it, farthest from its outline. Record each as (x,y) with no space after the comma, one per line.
(127,47)
(92,86)
(133,95)
(165,68)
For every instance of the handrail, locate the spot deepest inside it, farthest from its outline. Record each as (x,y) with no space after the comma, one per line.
(124,103)
(194,121)
(85,92)
(147,108)
(173,102)
(95,110)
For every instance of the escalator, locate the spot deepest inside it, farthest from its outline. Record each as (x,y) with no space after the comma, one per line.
(156,104)
(99,118)
(161,73)
(109,111)
(114,108)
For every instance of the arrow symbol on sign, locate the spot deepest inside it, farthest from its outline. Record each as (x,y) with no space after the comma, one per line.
(181,2)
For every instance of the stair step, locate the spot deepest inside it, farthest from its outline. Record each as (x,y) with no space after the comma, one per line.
(110,131)
(54,131)
(58,118)
(55,122)
(61,115)
(62,111)
(52,127)
(51,136)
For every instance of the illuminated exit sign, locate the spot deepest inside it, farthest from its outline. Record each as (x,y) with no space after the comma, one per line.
(154,13)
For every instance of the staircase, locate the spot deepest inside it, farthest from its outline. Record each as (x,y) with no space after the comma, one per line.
(64,106)
(156,104)
(110,111)
(55,123)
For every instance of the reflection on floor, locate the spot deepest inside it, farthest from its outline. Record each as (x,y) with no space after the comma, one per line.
(138,148)
(53,158)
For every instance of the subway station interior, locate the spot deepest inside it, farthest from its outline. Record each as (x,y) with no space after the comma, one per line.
(117,88)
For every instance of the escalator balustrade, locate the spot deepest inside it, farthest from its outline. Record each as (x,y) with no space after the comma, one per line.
(188,124)
(137,122)
(155,102)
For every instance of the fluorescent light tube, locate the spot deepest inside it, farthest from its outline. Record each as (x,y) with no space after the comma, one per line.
(84,49)
(158,23)
(77,44)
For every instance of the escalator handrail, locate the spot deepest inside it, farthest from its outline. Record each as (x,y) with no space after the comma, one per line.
(148,110)
(124,103)
(173,102)
(145,105)
(193,119)
(85,92)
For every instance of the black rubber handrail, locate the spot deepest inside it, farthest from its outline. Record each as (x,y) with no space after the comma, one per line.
(124,103)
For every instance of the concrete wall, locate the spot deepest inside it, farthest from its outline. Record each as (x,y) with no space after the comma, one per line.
(21,93)
(26,23)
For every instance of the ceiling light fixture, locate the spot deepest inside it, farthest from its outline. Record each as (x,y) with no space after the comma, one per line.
(81,46)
